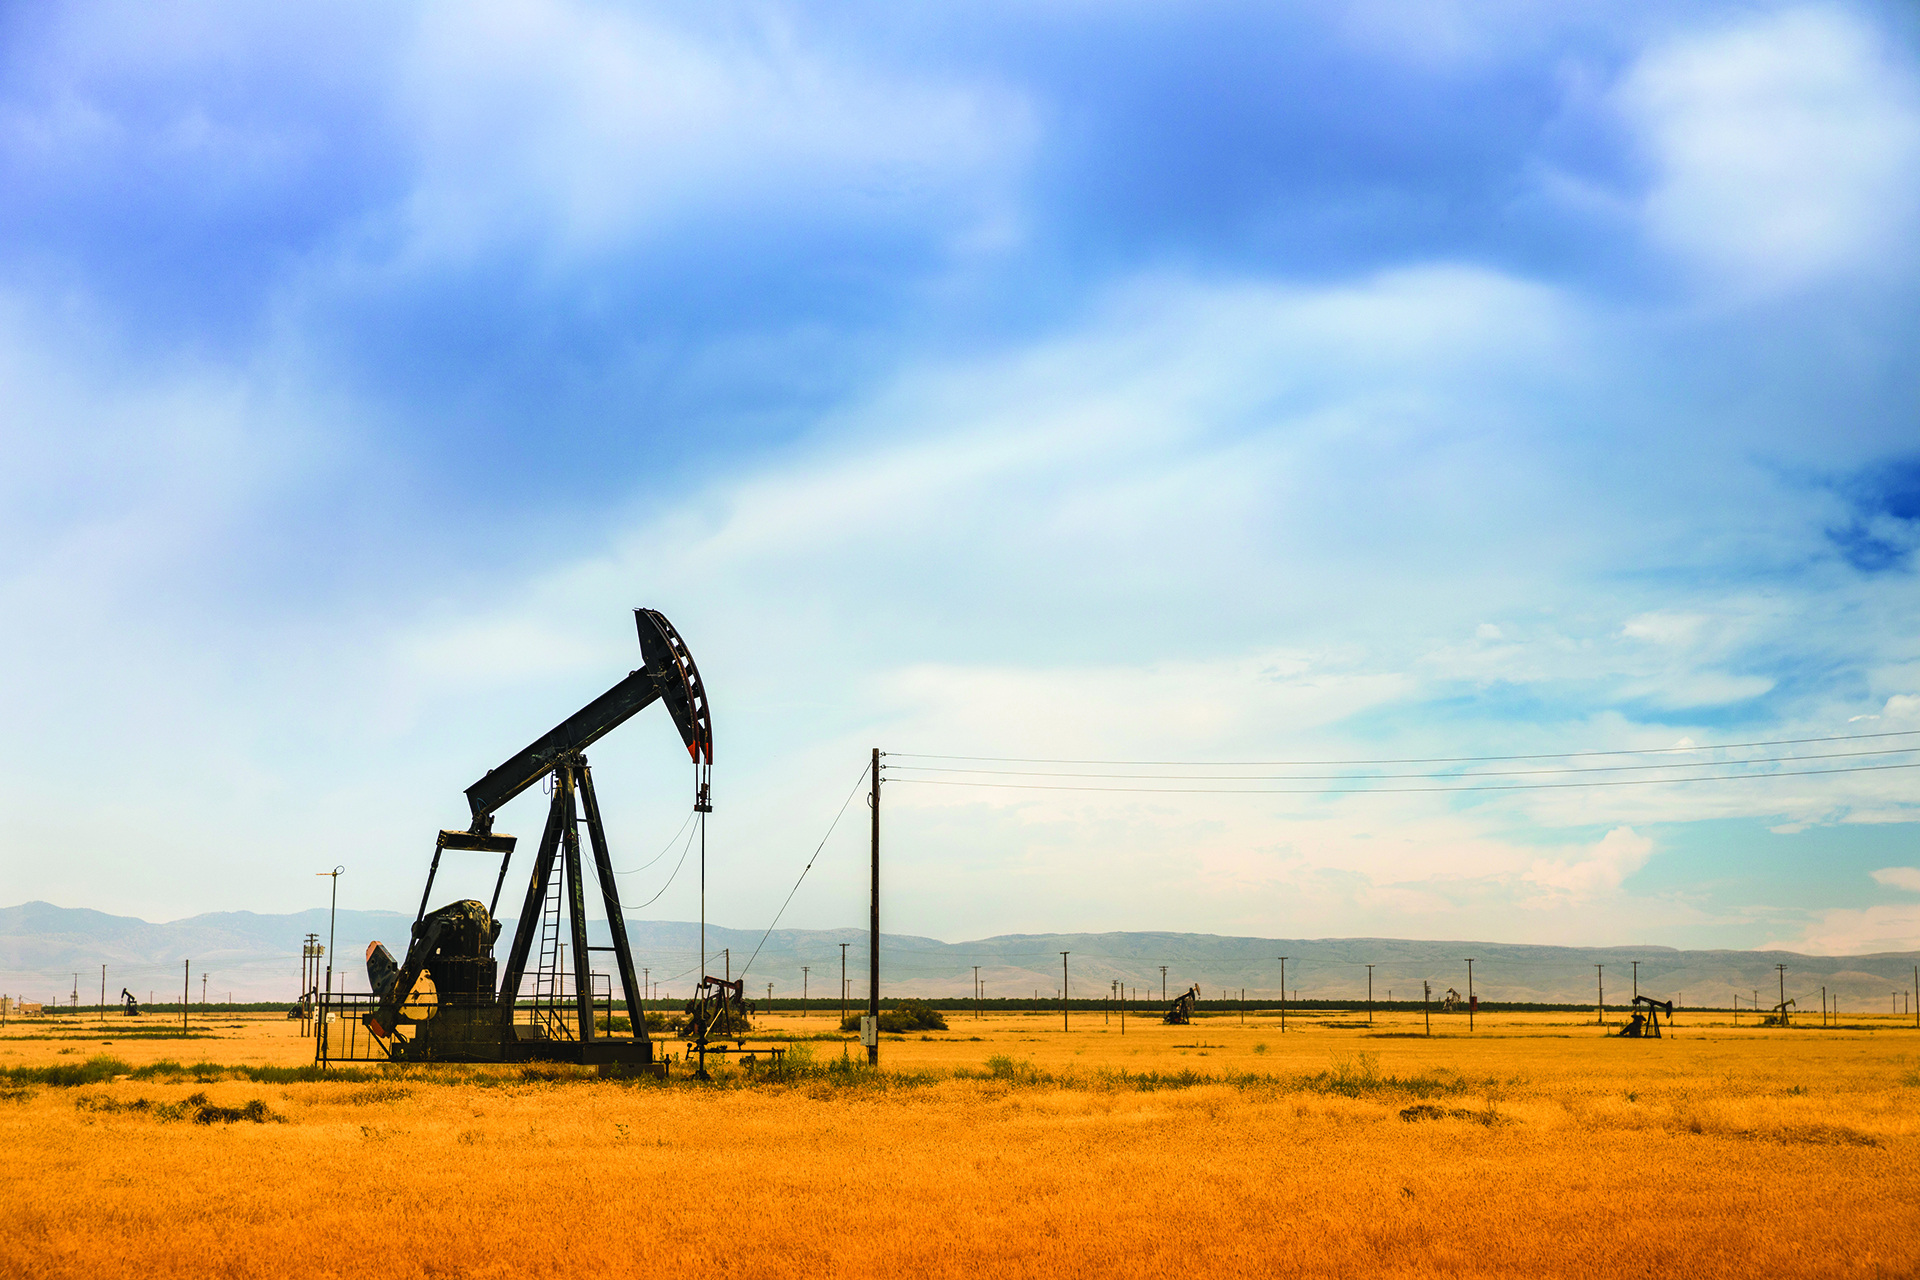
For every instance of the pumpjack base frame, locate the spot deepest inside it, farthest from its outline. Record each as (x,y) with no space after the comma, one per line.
(625,1054)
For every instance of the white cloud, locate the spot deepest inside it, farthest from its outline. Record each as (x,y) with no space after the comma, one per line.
(1696,688)
(1595,872)
(1899,878)
(589,126)
(1845,932)
(1665,628)
(1785,148)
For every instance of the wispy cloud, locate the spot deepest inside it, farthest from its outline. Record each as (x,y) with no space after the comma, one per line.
(1223,385)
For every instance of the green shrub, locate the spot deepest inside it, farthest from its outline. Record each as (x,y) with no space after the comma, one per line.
(95,1070)
(910,1015)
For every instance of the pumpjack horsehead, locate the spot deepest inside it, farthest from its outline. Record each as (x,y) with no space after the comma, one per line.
(441,1003)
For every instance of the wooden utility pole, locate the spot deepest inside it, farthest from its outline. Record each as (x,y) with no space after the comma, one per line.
(803,990)
(1063,990)
(1163,984)
(1426,1002)
(873,924)
(1600,981)
(1783,993)
(1283,995)
(843,985)
(1470,993)
(1636,980)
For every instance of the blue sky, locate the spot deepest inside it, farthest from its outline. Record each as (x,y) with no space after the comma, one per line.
(1205,382)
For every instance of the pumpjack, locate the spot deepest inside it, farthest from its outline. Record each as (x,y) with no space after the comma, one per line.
(1647,1024)
(443,993)
(1778,1017)
(1180,1012)
(715,1009)
(128,1005)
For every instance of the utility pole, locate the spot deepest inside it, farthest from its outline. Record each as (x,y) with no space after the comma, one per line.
(1470,1000)
(75,999)
(1600,980)
(1426,1003)
(803,990)
(1783,993)
(1283,995)
(1063,990)
(333,908)
(1369,993)
(1636,981)
(203,988)
(976,993)
(873,924)
(646,991)
(843,984)
(1163,984)
(1823,1006)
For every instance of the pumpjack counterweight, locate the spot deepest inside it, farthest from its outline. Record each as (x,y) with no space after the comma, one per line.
(440,1003)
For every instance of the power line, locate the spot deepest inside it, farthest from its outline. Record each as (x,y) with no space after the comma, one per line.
(1555,755)
(664,849)
(1336,791)
(685,849)
(1487,773)
(803,871)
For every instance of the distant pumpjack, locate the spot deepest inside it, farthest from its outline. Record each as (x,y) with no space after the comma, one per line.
(1180,1012)
(1647,1025)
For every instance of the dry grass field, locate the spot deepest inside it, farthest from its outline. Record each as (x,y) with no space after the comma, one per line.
(1000,1147)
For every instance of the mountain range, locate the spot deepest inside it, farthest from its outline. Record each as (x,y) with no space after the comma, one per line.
(47,952)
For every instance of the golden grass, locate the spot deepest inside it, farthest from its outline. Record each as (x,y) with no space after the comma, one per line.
(1544,1149)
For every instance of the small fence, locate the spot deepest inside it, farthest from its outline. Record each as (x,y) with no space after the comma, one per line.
(341,1033)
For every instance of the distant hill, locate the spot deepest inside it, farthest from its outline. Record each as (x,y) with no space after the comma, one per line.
(257,957)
